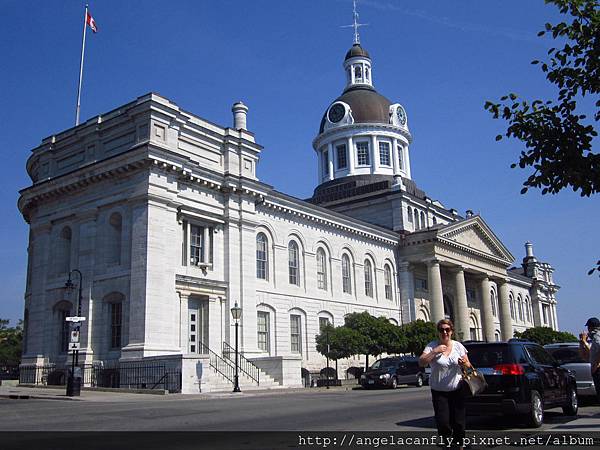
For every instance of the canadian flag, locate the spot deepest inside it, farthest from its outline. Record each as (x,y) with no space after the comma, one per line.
(91,22)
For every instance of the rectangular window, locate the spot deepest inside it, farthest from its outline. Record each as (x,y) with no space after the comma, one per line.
(296,342)
(116,318)
(546,314)
(400,157)
(323,322)
(362,153)
(325,162)
(263,330)
(384,153)
(198,244)
(342,158)
(421,284)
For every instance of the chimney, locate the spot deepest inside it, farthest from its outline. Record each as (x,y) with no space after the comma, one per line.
(528,249)
(469,213)
(240,112)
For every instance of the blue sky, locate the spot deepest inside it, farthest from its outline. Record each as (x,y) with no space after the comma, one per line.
(441,60)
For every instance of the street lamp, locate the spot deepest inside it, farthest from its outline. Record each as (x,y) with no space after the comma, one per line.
(236,313)
(73,389)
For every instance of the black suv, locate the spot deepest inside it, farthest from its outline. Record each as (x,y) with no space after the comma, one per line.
(522,379)
(392,371)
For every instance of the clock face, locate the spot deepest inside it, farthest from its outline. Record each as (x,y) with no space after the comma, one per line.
(336,113)
(401,114)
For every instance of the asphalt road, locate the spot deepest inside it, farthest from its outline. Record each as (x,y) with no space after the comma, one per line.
(405,409)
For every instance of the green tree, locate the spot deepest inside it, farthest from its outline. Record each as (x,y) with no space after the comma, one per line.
(545,335)
(375,330)
(11,343)
(557,136)
(344,342)
(418,334)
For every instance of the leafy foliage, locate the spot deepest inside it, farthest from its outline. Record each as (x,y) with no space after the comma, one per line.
(418,334)
(344,342)
(11,343)
(545,335)
(558,141)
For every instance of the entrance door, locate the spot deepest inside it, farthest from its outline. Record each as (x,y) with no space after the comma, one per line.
(198,326)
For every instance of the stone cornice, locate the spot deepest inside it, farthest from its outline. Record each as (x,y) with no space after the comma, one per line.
(351,130)
(324,217)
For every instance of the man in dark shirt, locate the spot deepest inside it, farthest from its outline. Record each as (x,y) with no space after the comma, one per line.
(591,350)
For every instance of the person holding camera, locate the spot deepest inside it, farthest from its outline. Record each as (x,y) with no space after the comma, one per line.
(589,346)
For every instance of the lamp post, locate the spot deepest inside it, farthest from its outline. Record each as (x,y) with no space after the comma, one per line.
(73,388)
(236,313)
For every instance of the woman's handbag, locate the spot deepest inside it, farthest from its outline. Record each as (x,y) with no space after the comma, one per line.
(474,380)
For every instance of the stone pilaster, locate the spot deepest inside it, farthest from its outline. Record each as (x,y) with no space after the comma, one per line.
(407,292)
(436,298)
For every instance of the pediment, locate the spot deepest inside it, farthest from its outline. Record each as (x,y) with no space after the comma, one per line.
(474,234)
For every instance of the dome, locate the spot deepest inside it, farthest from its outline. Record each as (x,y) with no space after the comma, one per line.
(355,51)
(367,106)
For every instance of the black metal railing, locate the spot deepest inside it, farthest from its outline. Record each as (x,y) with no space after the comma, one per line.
(245,365)
(109,374)
(221,365)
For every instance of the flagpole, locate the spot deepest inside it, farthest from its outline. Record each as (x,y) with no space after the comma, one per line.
(81,66)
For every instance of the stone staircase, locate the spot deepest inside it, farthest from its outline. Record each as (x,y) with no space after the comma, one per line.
(220,377)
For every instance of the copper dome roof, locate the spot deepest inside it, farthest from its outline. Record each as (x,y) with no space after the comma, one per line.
(357,50)
(366,104)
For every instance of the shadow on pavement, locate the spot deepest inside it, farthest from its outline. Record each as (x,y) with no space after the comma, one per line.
(423,422)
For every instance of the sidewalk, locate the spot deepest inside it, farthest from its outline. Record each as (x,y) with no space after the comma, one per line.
(59,393)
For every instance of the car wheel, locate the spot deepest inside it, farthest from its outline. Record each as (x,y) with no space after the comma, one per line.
(572,405)
(535,416)
(394,384)
(419,382)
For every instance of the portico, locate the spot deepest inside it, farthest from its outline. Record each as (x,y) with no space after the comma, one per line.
(461,259)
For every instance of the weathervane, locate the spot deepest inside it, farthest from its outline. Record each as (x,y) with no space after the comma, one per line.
(355,25)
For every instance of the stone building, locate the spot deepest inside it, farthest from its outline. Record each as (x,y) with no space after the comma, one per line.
(162,213)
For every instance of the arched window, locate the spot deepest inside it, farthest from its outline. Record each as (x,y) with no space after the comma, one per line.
(321,269)
(511,302)
(409,214)
(497,335)
(357,73)
(63,310)
(417,226)
(493,301)
(434,220)
(63,251)
(387,275)
(294,263)
(423,221)
(527,309)
(114,309)
(262,257)
(520,307)
(113,249)
(367,74)
(346,275)
(368,278)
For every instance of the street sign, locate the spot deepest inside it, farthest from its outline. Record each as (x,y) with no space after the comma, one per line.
(74,346)
(75,335)
(75,319)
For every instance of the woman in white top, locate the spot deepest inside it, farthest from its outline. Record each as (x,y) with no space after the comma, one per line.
(446,356)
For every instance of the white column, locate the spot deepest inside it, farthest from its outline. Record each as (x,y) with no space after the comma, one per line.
(374,154)
(183,322)
(505,317)
(395,163)
(487,317)
(330,160)
(351,155)
(406,161)
(436,298)
(206,246)
(462,309)
(215,342)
